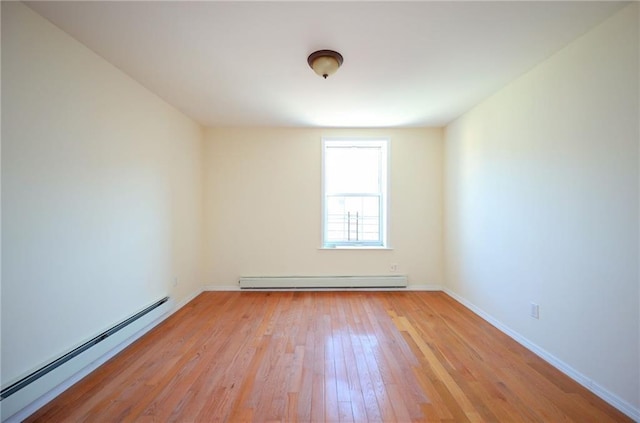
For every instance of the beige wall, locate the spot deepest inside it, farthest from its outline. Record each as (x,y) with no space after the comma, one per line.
(263,206)
(542,206)
(106,190)
(101,194)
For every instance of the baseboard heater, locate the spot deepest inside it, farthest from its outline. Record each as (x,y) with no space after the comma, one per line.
(315,282)
(15,387)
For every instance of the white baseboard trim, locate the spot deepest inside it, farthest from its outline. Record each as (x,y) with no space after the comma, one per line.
(33,406)
(583,380)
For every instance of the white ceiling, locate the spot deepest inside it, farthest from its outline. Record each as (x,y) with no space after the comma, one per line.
(244,63)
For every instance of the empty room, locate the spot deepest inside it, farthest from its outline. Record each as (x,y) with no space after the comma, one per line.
(320,211)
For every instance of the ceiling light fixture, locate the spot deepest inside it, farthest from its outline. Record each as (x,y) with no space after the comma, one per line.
(325,62)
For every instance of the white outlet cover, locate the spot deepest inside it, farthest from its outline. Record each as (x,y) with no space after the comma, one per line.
(535,311)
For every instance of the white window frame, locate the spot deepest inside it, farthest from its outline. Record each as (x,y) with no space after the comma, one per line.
(385,145)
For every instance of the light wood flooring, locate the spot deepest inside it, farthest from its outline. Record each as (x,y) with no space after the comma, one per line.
(326,356)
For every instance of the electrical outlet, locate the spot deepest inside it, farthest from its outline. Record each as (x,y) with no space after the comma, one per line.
(534,310)
(393,267)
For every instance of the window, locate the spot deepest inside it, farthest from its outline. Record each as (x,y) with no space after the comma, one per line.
(355,193)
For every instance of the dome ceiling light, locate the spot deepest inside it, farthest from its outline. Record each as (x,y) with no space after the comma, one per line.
(325,62)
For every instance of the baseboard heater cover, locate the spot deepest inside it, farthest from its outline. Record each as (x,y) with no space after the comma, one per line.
(314,282)
(15,387)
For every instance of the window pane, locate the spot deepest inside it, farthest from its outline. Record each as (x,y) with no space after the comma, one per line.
(352,169)
(353,219)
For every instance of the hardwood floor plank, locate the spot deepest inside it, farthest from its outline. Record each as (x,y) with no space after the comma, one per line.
(345,412)
(326,356)
(353,379)
(306,388)
(366,382)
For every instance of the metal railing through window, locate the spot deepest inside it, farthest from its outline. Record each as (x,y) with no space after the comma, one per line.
(353,227)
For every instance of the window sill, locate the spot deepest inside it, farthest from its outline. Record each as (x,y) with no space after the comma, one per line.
(355,248)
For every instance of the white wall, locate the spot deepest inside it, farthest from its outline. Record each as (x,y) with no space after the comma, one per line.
(103,182)
(541,184)
(263,204)
(101,194)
